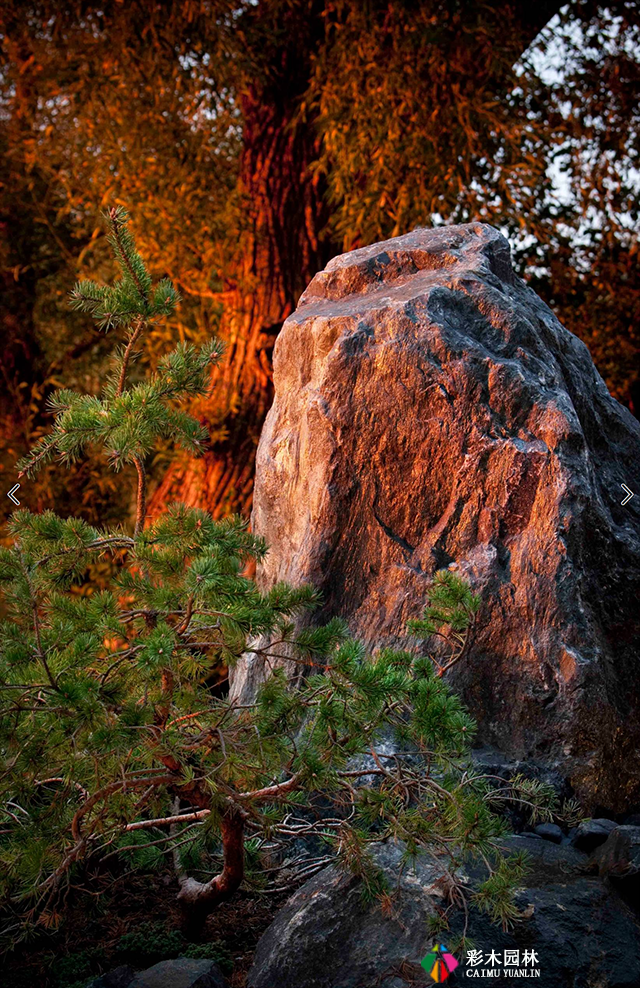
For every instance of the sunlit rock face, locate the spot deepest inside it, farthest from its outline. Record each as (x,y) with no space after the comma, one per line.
(430,411)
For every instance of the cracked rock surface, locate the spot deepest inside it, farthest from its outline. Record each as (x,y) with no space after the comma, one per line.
(583,934)
(431,411)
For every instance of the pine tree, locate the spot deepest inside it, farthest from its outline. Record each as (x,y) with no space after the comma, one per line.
(114,742)
(449,616)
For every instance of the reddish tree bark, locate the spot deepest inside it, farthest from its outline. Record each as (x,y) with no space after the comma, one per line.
(283,249)
(198,899)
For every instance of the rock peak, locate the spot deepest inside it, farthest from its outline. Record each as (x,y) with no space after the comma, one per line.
(472,247)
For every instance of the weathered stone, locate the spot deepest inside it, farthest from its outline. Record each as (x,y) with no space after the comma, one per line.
(591,834)
(431,411)
(619,859)
(581,930)
(120,977)
(184,972)
(550,832)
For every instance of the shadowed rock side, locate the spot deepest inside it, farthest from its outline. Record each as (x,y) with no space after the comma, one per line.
(429,411)
(581,931)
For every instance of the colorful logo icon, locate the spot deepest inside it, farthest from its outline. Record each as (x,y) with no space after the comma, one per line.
(439,963)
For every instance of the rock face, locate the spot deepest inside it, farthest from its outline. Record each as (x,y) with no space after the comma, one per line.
(591,834)
(121,977)
(431,411)
(183,972)
(619,860)
(581,931)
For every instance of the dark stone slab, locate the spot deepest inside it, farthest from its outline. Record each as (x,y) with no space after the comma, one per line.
(183,972)
(550,832)
(581,930)
(120,977)
(591,834)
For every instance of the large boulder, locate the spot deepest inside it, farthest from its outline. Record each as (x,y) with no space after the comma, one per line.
(430,411)
(580,931)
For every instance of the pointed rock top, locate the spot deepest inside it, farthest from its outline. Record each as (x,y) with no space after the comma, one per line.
(472,246)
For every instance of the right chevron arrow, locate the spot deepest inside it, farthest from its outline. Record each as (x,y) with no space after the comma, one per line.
(629,493)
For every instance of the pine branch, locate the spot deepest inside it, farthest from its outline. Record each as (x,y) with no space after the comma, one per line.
(41,653)
(117,223)
(167,821)
(38,455)
(134,337)
(141,499)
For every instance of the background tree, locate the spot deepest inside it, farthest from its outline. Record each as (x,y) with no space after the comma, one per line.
(111,735)
(261,139)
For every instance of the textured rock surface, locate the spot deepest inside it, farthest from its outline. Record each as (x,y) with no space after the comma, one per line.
(550,832)
(591,834)
(430,410)
(183,972)
(120,977)
(583,933)
(619,859)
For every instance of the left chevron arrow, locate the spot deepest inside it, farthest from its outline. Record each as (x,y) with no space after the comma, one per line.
(12,492)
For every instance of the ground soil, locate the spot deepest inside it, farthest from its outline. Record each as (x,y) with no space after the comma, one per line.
(98,921)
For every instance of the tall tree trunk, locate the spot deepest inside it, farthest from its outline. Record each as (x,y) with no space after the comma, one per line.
(284,248)
(22,361)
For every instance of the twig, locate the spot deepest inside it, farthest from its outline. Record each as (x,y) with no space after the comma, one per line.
(271,792)
(116,541)
(180,630)
(167,821)
(196,713)
(36,630)
(141,500)
(117,233)
(135,336)
(121,657)
(151,843)
(109,790)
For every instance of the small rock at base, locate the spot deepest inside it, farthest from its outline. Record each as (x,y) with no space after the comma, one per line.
(120,977)
(549,831)
(619,858)
(184,972)
(591,834)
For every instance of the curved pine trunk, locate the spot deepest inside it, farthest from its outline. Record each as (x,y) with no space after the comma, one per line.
(197,900)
